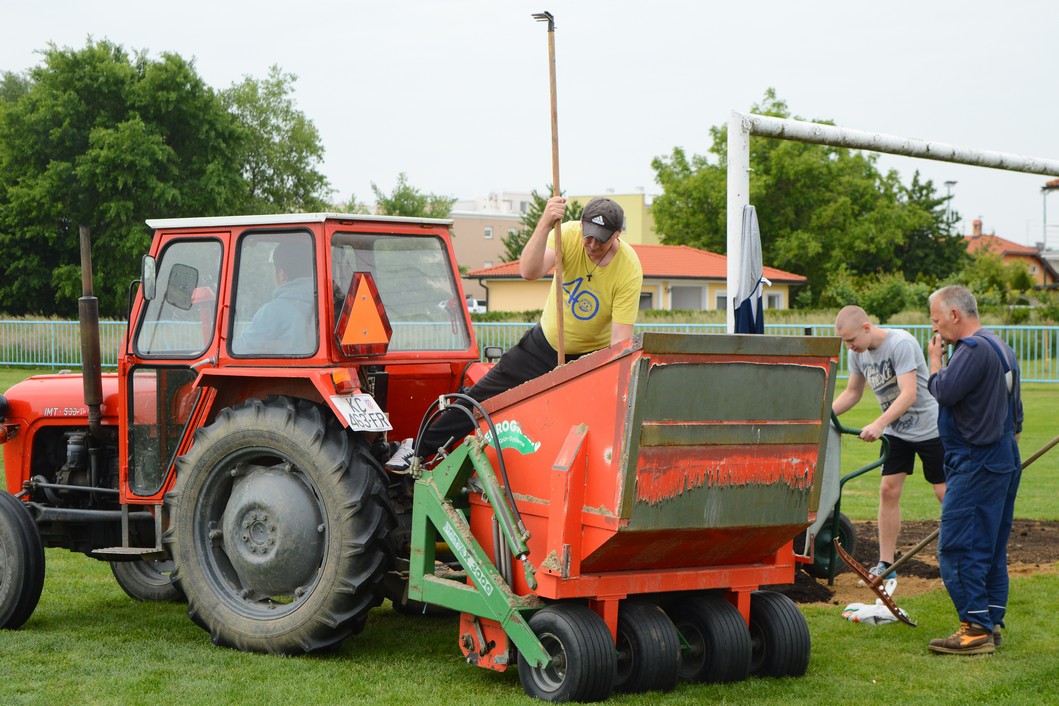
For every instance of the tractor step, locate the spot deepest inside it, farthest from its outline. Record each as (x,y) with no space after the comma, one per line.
(147,553)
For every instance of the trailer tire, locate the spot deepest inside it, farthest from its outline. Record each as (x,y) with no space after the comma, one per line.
(718,641)
(583,663)
(779,635)
(280,528)
(147,580)
(648,647)
(21,563)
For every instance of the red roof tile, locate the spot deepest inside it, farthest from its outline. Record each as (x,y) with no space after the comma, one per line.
(663,261)
(996,244)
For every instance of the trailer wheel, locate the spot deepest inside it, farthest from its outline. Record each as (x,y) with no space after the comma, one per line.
(280,528)
(718,648)
(648,648)
(779,635)
(21,563)
(147,580)
(582,666)
(847,533)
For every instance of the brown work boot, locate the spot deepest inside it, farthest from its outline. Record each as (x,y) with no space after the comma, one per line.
(970,639)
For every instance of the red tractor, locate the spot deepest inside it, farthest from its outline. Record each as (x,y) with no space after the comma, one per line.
(240,441)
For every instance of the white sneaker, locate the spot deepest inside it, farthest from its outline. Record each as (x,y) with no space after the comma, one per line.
(402,457)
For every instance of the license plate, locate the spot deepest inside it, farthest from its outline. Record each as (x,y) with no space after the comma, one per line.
(362,412)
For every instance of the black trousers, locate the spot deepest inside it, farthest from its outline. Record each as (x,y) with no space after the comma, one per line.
(530,358)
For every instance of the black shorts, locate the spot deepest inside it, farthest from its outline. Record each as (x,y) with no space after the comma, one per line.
(903,453)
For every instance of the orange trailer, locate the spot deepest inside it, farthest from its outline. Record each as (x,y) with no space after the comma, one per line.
(648,491)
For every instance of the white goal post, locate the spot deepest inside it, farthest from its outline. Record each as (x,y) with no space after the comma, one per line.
(741,126)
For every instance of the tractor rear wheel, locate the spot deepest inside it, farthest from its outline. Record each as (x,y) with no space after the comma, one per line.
(280,528)
(147,580)
(21,563)
(717,641)
(648,648)
(582,665)
(779,635)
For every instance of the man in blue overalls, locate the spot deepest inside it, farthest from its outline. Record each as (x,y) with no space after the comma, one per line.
(979,419)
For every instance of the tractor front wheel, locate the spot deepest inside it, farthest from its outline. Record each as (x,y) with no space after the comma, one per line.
(147,580)
(21,563)
(280,528)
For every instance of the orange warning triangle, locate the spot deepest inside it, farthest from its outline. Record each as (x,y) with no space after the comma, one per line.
(364,325)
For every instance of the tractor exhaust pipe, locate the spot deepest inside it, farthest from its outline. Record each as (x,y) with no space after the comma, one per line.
(91,365)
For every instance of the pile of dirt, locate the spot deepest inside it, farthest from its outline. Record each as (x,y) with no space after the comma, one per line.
(1033,548)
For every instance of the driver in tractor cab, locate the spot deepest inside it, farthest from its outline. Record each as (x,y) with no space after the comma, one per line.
(286,324)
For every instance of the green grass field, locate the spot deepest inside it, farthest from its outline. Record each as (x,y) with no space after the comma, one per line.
(89,643)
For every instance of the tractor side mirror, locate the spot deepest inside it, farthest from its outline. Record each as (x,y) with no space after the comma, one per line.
(492,353)
(179,291)
(149,277)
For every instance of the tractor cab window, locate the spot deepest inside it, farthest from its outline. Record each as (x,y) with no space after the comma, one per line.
(179,321)
(274,311)
(415,282)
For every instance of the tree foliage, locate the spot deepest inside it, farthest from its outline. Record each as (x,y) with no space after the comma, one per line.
(406,200)
(279,147)
(104,138)
(824,211)
(514,243)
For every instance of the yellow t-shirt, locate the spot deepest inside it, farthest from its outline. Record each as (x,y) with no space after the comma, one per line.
(593,296)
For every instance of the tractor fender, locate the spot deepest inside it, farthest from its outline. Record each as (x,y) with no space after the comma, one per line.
(235,385)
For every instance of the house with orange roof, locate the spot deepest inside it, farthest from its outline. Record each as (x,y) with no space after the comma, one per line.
(1042,271)
(674,277)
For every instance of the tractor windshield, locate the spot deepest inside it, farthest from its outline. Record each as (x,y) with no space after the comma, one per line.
(416,284)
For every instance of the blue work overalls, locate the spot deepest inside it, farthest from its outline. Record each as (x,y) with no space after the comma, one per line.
(976,515)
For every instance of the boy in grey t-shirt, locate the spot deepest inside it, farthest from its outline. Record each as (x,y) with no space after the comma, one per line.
(891,362)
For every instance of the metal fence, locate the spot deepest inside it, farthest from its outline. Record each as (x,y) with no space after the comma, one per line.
(55,344)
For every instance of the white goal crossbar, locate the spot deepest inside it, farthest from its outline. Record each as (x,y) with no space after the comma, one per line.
(741,126)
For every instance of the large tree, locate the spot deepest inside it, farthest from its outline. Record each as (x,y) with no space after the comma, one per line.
(820,208)
(279,147)
(100,137)
(514,243)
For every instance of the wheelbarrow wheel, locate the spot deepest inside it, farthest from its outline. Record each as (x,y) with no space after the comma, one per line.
(847,534)
(648,648)
(582,665)
(716,641)
(779,636)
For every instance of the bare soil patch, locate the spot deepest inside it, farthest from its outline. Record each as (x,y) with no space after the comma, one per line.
(1033,548)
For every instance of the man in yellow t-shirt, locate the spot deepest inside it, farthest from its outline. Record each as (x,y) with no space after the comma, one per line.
(601,297)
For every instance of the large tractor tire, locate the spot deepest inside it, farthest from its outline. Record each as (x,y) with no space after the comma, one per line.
(280,528)
(147,580)
(21,563)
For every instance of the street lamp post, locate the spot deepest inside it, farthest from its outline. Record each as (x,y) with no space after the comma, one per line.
(948,203)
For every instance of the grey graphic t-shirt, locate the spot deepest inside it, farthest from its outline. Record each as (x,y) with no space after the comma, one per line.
(898,354)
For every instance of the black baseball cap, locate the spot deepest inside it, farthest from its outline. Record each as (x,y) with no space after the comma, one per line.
(601,218)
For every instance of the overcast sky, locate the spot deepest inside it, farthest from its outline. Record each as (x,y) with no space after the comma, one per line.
(455,93)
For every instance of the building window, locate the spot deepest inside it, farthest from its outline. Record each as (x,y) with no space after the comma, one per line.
(687,298)
(489,232)
(721,301)
(647,301)
(774,301)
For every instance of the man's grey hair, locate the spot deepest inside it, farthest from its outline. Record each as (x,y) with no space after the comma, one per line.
(956,297)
